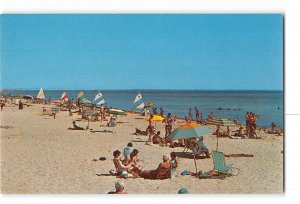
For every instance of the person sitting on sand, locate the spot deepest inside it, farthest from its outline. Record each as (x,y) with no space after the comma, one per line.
(128,150)
(120,167)
(112,122)
(20,105)
(252,133)
(201,148)
(227,133)
(119,186)
(240,132)
(75,127)
(217,132)
(157,139)
(162,167)
(180,143)
(132,160)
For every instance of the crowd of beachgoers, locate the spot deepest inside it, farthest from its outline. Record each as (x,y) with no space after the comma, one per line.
(126,161)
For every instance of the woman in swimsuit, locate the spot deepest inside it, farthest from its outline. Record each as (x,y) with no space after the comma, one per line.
(169,121)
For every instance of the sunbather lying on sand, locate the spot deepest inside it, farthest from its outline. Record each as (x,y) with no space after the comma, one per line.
(163,168)
(139,132)
(75,127)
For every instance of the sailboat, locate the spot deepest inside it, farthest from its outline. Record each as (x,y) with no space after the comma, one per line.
(64,96)
(138,102)
(99,99)
(41,94)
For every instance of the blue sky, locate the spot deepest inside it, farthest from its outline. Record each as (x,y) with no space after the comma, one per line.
(206,52)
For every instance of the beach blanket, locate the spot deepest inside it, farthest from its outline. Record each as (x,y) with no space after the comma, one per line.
(101,131)
(207,175)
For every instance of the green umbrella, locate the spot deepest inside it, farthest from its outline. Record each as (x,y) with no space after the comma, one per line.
(220,122)
(192,130)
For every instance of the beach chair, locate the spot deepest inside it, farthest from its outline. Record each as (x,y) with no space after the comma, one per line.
(220,165)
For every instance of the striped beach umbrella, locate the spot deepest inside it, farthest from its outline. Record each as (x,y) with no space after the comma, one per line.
(220,122)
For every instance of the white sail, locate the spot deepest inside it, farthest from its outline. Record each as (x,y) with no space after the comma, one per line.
(138,102)
(99,99)
(41,94)
(64,96)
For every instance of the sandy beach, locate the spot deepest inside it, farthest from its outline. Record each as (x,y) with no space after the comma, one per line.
(39,155)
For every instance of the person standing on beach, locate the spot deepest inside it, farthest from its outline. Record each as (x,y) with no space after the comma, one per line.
(102,112)
(162,113)
(2,105)
(247,123)
(169,121)
(190,118)
(150,128)
(197,115)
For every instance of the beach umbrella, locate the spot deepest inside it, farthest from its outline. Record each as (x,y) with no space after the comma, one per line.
(191,130)
(220,122)
(89,112)
(86,101)
(116,111)
(149,105)
(155,118)
(28,97)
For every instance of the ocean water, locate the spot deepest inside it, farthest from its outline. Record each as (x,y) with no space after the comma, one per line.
(264,103)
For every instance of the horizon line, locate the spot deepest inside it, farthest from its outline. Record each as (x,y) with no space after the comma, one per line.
(135,89)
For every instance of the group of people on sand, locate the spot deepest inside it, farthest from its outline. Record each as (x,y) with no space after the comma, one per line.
(130,165)
(156,137)
(99,116)
(198,116)
(273,130)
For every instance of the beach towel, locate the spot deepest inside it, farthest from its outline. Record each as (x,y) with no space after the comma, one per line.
(186,172)
(239,155)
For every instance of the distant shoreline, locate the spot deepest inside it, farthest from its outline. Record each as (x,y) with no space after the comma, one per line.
(141,90)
